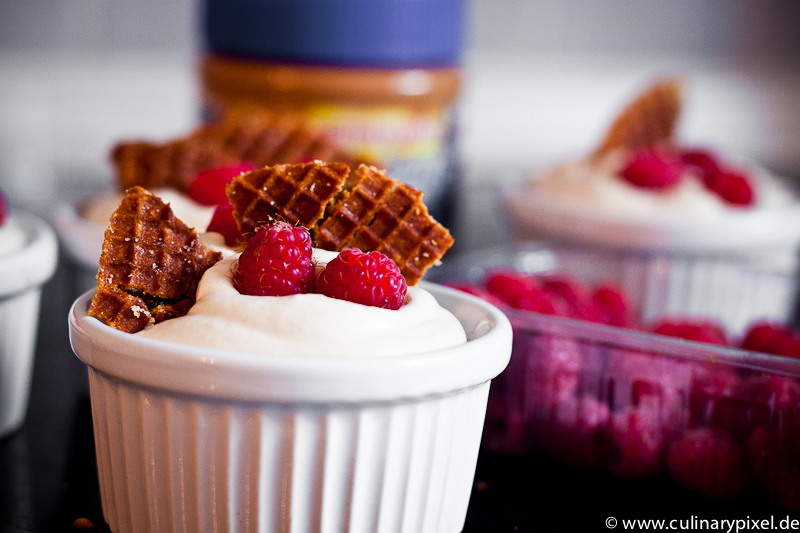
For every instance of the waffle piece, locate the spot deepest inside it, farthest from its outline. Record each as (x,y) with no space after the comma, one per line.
(261,139)
(361,196)
(375,212)
(402,229)
(150,265)
(297,194)
(365,209)
(173,164)
(647,121)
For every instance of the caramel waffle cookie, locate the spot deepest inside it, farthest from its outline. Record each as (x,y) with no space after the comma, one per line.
(173,164)
(150,265)
(261,139)
(649,120)
(297,194)
(365,209)
(363,193)
(398,225)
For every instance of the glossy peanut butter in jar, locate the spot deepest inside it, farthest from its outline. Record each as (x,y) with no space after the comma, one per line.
(380,78)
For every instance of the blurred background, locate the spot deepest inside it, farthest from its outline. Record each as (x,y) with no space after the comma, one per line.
(542,80)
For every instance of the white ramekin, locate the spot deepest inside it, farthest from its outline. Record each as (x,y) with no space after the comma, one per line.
(192,440)
(22,274)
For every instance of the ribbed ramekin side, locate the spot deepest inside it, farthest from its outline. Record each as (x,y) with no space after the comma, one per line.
(186,464)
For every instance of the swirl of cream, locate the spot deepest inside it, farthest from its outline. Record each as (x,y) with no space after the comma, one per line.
(307,324)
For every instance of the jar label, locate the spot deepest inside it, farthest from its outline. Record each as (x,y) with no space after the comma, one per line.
(383,133)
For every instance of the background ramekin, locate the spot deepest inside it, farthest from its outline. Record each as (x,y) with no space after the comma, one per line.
(22,275)
(191,439)
(534,214)
(602,397)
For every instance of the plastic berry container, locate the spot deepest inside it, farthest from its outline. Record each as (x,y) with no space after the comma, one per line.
(720,421)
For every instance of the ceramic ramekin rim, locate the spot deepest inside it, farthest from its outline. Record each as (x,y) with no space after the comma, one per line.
(319,379)
(35,263)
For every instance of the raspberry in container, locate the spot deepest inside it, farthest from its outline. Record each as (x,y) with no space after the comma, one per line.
(609,379)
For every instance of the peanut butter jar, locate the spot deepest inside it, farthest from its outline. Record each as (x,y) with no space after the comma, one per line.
(380,78)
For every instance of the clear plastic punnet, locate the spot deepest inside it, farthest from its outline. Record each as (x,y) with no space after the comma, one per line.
(720,421)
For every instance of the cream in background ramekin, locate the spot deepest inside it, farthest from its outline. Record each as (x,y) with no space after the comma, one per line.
(28,256)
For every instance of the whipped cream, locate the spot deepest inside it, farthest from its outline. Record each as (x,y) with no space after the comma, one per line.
(307,324)
(597,185)
(98,209)
(13,237)
(588,201)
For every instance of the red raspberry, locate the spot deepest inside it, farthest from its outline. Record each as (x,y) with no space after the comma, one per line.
(477,290)
(538,300)
(575,430)
(767,398)
(524,292)
(276,262)
(364,278)
(714,398)
(704,160)
(768,337)
(731,186)
(774,460)
(553,370)
(574,296)
(642,380)
(613,306)
(208,187)
(692,330)
(636,442)
(223,222)
(509,286)
(708,461)
(651,169)
(793,347)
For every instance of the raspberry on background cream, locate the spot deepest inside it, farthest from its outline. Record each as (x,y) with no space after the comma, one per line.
(588,201)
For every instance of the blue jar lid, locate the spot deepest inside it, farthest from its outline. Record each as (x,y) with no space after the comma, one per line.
(367,33)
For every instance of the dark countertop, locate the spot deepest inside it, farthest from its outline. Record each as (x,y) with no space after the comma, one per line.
(48,475)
